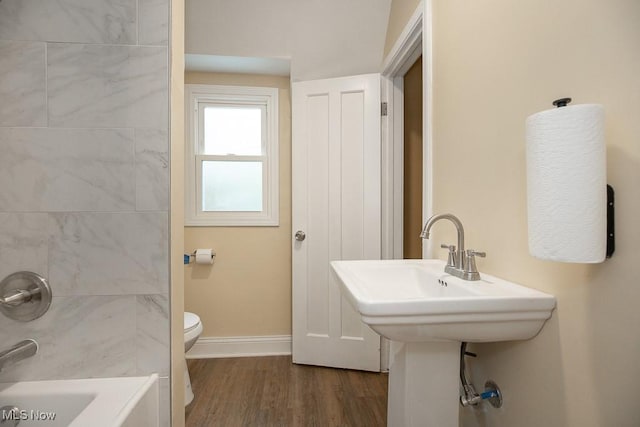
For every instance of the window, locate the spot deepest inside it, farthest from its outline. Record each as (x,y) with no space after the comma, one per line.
(232,156)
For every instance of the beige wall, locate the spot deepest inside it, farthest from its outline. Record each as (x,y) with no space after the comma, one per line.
(401,11)
(247,292)
(495,63)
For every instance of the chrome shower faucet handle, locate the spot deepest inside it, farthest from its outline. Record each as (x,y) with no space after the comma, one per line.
(24,296)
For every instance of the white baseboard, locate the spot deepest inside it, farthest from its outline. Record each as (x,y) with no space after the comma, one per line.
(217,347)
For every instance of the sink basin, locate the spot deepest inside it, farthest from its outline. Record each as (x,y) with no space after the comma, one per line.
(426,313)
(415,301)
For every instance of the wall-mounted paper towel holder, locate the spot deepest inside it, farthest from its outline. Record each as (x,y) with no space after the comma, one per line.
(611,235)
(566,176)
(562,102)
(611,229)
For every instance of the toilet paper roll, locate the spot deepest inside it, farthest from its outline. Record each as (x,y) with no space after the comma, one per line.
(204,256)
(566,184)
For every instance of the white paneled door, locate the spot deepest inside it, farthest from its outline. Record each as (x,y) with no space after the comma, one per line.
(336,215)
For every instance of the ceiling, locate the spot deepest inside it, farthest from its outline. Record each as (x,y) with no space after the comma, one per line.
(320,38)
(238,64)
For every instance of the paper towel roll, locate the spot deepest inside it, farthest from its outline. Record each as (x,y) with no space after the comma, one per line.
(204,256)
(566,184)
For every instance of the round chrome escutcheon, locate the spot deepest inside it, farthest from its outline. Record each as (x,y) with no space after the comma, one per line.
(34,295)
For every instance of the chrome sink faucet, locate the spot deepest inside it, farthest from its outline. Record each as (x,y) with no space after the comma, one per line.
(455,259)
(460,263)
(21,350)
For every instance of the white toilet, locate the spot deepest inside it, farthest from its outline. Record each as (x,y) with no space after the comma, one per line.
(192,330)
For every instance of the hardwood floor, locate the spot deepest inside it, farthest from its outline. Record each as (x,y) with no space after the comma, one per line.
(272,391)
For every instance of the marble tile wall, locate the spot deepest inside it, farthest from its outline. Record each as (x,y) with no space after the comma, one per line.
(84,183)
(23,83)
(106,86)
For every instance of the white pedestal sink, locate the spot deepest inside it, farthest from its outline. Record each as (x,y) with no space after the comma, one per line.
(427,314)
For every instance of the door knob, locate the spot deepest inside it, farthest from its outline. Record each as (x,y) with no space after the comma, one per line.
(300,236)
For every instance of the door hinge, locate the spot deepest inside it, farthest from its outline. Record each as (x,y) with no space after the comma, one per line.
(383,108)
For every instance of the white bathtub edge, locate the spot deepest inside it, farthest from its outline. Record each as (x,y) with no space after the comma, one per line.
(132,410)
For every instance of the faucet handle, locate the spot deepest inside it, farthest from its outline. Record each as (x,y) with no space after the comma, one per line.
(472,253)
(470,269)
(451,260)
(15,297)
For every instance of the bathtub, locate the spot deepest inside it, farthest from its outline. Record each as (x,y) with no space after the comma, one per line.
(101,402)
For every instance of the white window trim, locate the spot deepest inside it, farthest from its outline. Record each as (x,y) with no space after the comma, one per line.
(194,216)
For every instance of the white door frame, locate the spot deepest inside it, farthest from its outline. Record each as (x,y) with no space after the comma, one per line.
(415,40)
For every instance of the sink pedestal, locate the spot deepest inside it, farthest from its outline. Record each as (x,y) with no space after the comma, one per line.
(423,384)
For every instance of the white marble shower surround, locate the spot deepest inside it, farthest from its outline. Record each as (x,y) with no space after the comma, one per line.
(107,86)
(84,183)
(152,170)
(108,253)
(83,21)
(23,85)
(114,335)
(153,22)
(151,341)
(23,243)
(76,337)
(67,169)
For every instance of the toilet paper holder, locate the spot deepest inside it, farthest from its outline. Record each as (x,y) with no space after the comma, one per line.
(189,258)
